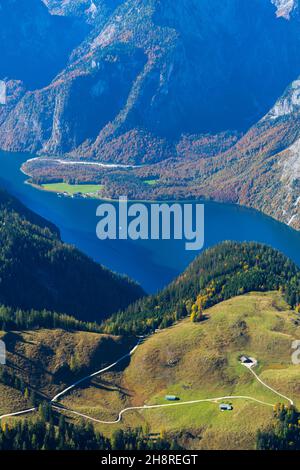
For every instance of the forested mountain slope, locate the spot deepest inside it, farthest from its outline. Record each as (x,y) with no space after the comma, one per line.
(203,95)
(38,271)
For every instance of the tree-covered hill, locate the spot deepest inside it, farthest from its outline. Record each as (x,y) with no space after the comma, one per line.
(284,434)
(38,271)
(222,272)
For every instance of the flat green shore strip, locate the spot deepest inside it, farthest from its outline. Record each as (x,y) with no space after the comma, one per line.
(72,188)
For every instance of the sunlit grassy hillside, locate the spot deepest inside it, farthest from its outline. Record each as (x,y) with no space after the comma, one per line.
(198,361)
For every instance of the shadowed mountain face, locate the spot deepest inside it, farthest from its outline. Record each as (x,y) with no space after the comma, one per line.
(34,45)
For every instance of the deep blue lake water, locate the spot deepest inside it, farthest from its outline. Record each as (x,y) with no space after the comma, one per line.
(152,263)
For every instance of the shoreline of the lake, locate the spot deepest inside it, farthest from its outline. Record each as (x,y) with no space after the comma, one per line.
(153,264)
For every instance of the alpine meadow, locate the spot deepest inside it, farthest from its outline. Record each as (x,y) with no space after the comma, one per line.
(149,230)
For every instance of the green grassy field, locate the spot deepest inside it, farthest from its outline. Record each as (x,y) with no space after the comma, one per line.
(198,361)
(72,189)
(151,182)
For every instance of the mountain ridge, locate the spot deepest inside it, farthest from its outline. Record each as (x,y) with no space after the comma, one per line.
(186,92)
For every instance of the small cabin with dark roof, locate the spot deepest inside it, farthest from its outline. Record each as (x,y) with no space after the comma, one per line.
(226,407)
(246,360)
